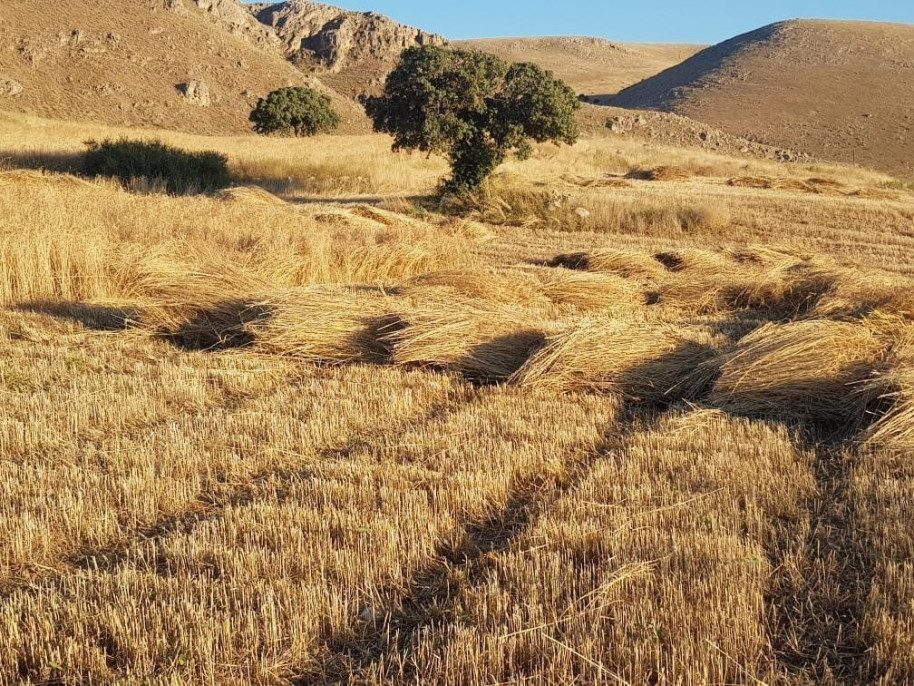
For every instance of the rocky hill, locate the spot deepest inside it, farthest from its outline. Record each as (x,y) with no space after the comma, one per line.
(838,90)
(594,67)
(192,65)
(353,51)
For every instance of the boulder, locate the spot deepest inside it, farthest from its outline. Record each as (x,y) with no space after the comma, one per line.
(195,92)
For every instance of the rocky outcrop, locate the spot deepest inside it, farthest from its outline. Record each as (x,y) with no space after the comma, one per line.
(196,93)
(333,39)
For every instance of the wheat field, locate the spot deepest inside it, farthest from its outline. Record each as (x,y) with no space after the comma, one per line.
(633,415)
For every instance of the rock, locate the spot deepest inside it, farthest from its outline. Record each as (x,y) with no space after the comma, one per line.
(332,38)
(9,87)
(196,93)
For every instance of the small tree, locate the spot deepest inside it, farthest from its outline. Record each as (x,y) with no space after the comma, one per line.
(294,112)
(473,108)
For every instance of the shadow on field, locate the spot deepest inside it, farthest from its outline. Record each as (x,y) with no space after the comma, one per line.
(55,161)
(385,641)
(95,317)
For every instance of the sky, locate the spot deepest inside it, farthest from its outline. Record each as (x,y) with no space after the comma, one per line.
(658,21)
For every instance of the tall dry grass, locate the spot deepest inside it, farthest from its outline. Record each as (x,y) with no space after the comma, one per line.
(94,242)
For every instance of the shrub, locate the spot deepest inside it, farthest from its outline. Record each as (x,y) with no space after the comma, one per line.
(473,108)
(176,171)
(294,112)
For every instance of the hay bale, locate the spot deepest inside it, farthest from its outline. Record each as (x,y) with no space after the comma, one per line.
(482,344)
(639,362)
(809,369)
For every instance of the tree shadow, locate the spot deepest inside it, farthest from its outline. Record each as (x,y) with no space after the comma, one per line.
(54,161)
(95,317)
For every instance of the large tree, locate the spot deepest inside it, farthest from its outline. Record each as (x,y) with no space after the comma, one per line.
(473,108)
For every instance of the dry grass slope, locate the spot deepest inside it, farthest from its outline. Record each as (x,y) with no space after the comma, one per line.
(771,84)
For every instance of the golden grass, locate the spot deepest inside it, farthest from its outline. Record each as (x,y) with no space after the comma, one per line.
(396,446)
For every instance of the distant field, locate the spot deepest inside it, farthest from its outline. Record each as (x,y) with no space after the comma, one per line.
(636,415)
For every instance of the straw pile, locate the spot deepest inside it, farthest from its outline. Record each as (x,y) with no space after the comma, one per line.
(662,173)
(202,307)
(637,361)
(625,263)
(327,325)
(482,344)
(249,195)
(591,291)
(497,286)
(812,369)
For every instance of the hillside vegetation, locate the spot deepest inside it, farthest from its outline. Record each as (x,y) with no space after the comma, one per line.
(634,415)
(837,90)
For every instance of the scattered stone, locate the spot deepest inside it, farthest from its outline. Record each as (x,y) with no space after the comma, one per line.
(9,87)
(196,93)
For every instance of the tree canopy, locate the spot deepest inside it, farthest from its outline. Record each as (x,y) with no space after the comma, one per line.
(473,108)
(294,112)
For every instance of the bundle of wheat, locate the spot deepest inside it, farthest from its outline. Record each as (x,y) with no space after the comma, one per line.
(249,195)
(812,369)
(591,291)
(625,263)
(497,286)
(483,344)
(749,182)
(638,361)
(326,325)
(695,260)
(786,290)
(33,177)
(199,306)
(852,297)
(662,173)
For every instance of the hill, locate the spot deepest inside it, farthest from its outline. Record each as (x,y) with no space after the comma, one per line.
(594,67)
(196,67)
(837,90)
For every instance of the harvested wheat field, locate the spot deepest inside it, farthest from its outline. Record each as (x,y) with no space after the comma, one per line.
(593,425)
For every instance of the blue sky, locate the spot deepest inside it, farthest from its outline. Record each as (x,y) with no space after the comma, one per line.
(668,21)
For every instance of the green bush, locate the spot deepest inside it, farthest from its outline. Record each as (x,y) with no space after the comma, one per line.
(473,108)
(159,165)
(294,112)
